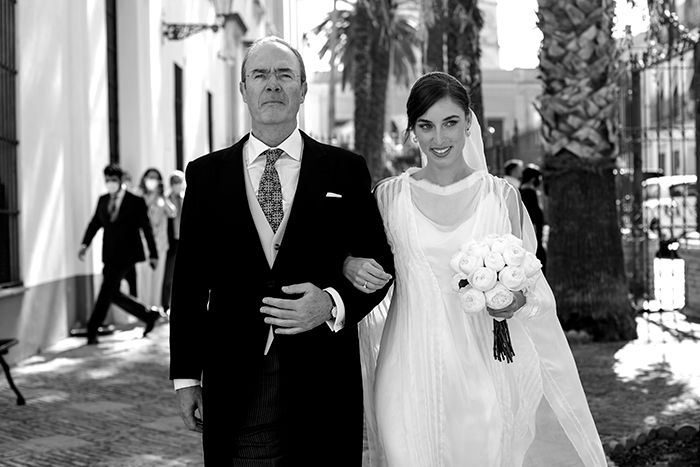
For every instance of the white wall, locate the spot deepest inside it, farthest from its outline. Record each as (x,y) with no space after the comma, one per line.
(63,132)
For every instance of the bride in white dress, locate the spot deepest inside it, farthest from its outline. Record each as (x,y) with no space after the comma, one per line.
(434,394)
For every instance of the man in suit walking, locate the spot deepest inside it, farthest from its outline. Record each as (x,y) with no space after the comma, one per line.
(261,312)
(123,216)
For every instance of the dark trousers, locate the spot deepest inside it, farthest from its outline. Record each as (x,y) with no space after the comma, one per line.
(258,443)
(130,279)
(109,293)
(168,277)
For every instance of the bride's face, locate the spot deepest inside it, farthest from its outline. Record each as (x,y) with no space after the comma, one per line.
(441,132)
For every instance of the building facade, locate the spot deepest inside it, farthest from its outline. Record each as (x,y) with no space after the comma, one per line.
(89,82)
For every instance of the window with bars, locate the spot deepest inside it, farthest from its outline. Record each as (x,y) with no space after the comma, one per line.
(9,210)
(112,81)
(210,121)
(179,144)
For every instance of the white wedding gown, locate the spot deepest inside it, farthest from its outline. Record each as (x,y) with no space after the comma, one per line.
(434,394)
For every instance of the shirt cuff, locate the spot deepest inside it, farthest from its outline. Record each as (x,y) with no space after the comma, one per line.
(185,383)
(338,323)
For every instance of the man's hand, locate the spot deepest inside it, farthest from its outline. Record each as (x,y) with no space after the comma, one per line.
(300,315)
(81,252)
(153,262)
(190,400)
(507,312)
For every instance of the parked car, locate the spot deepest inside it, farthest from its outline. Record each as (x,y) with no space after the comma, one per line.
(670,205)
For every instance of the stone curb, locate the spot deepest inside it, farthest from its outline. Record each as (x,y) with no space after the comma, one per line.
(623,445)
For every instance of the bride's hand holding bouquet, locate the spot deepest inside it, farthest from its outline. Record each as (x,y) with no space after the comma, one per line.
(493,275)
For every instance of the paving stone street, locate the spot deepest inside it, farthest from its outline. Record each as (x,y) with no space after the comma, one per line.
(113,405)
(109,405)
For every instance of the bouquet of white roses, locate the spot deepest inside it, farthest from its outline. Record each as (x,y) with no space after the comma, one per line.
(487,273)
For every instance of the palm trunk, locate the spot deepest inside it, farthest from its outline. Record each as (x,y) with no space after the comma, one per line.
(370,87)
(453,47)
(361,79)
(584,258)
(585,264)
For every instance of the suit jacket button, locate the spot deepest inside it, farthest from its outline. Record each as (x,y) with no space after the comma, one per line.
(277,246)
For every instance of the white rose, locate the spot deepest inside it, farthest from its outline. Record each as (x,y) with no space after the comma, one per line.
(469,264)
(514,255)
(483,279)
(494,260)
(531,264)
(480,249)
(513,277)
(512,239)
(466,246)
(455,260)
(473,301)
(499,297)
(456,279)
(490,238)
(499,245)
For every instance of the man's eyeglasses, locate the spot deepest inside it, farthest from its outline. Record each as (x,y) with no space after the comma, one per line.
(263,76)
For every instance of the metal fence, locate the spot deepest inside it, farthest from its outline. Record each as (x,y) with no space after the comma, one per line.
(657,180)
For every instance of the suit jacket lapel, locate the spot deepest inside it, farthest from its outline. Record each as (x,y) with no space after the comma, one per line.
(308,188)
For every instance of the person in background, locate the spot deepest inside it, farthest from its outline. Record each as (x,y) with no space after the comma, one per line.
(176,195)
(160,209)
(123,217)
(531,197)
(130,276)
(513,169)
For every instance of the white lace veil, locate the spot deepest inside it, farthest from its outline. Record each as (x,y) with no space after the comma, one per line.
(473,151)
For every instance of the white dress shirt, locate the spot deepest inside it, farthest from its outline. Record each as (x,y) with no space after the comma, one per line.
(288,166)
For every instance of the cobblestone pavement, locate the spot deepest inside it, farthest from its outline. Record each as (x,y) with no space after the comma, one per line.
(113,405)
(109,405)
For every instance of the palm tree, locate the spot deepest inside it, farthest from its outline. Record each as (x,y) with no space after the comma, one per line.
(577,105)
(453,45)
(375,39)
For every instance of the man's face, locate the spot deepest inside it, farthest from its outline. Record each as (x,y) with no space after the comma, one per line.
(272,88)
(113,183)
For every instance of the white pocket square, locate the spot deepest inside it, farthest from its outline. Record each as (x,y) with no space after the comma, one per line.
(330,194)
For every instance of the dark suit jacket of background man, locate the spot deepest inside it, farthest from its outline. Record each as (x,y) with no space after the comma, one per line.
(122,243)
(221,275)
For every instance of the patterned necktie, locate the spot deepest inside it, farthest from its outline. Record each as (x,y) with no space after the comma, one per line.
(112,207)
(270,190)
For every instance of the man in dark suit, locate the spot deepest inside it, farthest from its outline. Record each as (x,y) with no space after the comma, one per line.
(123,216)
(261,312)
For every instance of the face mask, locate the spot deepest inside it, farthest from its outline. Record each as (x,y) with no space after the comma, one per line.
(112,187)
(151,184)
(177,188)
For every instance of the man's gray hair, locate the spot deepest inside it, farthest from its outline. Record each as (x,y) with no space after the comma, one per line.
(278,40)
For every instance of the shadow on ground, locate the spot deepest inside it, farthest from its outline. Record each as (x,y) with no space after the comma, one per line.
(649,382)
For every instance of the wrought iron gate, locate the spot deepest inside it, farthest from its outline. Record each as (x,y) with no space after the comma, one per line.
(659,156)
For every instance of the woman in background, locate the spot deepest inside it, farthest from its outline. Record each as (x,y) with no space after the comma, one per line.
(159,210)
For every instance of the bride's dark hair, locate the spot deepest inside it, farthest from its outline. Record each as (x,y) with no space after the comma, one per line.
(429,89)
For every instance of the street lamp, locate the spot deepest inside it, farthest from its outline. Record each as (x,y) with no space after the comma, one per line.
(179,31)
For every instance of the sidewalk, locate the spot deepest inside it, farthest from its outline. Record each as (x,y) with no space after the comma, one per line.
(105,405)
